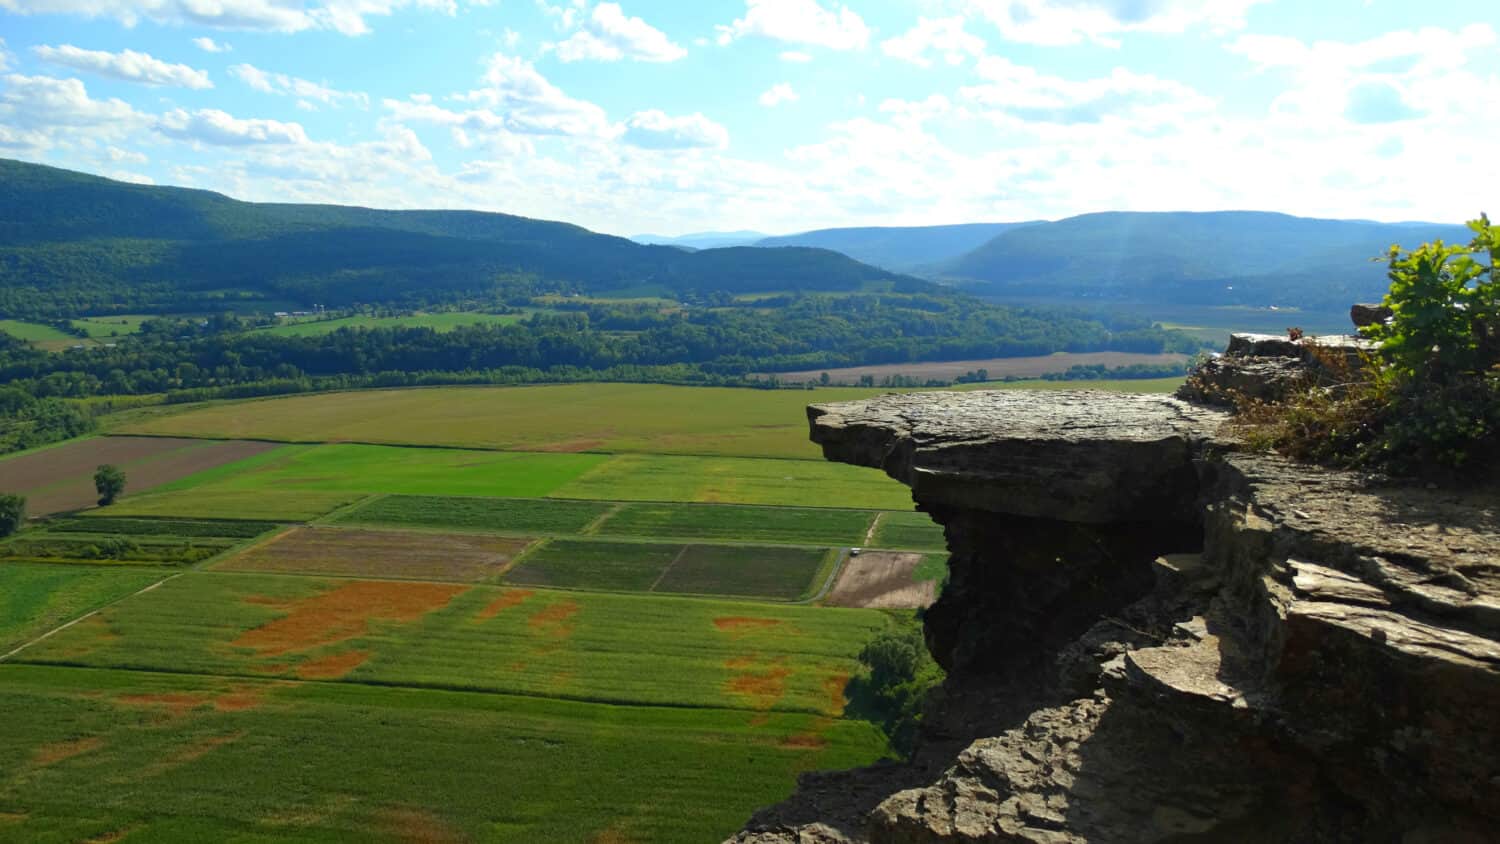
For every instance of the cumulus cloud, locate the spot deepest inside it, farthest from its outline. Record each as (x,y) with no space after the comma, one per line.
(219,128)
(128,65)
(609,35)
(284,85)
(1060,22)
(345,16)
(657,130)
(526,103)
(208,45)
(40,112)
(777,94)
(799,22)
(944,37)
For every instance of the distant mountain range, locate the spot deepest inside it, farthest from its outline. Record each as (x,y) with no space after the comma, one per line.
(900,248)
(703,240)
(1214,259)
(74,243)
(1224,258)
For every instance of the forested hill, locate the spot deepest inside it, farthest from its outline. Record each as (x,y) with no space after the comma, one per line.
(73,243)
(898,248)
(1219,258)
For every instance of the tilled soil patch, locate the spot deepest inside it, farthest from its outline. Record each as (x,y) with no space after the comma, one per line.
(379,553)
(59,479)
(882,580)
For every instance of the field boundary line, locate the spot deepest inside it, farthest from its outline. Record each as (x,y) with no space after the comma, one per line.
(91,613)
(838,567)
(254,543)
(592,528)
(874,525)
(335,513)
(660,577)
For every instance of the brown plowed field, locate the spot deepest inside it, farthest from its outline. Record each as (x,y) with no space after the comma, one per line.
(882,580)
(1030,367)
(59,479)
(380,553)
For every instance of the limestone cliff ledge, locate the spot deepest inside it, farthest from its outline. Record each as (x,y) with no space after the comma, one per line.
(1210,645)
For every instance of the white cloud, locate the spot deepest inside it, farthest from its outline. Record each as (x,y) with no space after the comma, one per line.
(212,126)
(1394,77)
(777,94)
(5,57)
(39,112)
(1028,94)
(609,35)
(126,156)
(657,130)
(798,22)
(526,103)
(795,56)
(128,65)
(944,36)
(306,92)
(1060,22)
(345,16)
(208,45)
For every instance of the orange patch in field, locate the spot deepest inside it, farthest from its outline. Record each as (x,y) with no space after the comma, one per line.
(611,835)
(332,667)
(193,752)
(554,619)
(804,741)
(412,825)
(177,703)
(240,699)
(763,687)
(739,624)
(51,754)
(344,613)
(834,685)
(510,599)
(13,817)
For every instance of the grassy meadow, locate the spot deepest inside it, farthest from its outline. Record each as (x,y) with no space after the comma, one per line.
(35,598)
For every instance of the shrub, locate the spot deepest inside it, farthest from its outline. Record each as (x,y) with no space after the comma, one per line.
(12,513)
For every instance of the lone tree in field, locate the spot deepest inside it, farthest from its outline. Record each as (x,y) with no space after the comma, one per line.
(110,482)
(12,513)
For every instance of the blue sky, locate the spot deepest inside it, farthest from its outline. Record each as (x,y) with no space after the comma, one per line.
(776,115)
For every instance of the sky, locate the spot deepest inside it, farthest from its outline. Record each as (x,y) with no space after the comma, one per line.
(667,117)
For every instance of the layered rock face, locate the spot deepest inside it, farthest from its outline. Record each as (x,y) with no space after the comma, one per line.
(1152,636)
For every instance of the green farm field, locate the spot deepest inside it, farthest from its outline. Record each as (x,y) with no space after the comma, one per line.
(35,332)
(446,321)
(306,481)
(503,515)
(790,525)
(747,571)
(613,418)
(105,328)
(908,530)
(37,598)
(126,755)
(600,647)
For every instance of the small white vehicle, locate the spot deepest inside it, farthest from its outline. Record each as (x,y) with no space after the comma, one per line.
(854,552)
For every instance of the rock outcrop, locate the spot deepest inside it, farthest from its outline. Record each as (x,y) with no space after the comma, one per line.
(1153,636)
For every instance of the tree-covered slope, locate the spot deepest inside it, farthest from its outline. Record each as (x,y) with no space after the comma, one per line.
(898,248)
(1218,258)
(73,243)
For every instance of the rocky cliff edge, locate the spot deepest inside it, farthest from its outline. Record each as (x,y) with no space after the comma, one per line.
(1154,636)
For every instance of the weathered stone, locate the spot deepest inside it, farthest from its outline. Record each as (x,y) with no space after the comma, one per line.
(1075,456)
(1327,669)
